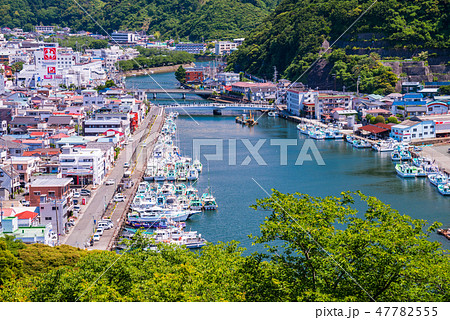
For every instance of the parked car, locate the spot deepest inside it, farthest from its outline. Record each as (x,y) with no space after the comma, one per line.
(96,237)
(99,231)
(25,202)
(85,192)
(126,165)
(104,225)
(76,194)
(119,197)
(110,182)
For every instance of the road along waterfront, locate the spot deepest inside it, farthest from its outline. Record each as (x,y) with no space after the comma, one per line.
(101,197)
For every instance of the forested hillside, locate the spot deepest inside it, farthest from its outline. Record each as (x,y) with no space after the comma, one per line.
(376,255)
(291,37)
(175,18)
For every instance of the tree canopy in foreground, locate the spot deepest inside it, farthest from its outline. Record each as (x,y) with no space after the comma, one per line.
(317,249)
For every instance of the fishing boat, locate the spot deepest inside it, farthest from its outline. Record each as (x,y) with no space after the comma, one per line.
(349,139)
(195,204)
(272,114)
(328,133)
(395,156)
(444,189)
(383,146)
(171,175)
(437,179)
(209,202)
(180,189)
(246,120)
(406,171)
(181,176)
(143,187)
(192,175)
(316,134)
(155,214)
(337,134)
(197,165)
(160,175)
(304,128)
(360,144)
(405,155)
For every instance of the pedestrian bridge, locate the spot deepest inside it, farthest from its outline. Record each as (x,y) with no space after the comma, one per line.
(143,93)
(218,108)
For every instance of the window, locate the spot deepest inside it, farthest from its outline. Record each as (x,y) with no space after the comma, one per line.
(20,167)
(415,130)
(413,135)
(37,193)
(54,208)
(48,218)
(51,193)
(420,134)
(425,127)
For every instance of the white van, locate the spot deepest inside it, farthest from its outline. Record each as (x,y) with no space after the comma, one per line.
(104,225)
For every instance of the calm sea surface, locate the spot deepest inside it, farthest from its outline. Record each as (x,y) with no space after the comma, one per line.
(235,188)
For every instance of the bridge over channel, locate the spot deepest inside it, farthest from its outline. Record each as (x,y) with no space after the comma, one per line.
(218,108)
(143,93)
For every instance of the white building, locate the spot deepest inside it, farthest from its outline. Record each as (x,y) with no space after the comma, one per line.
(45,29)
(95,127)
(85,166)
(301,102)
(91,97)
(124,37)
(227,78)
(194,48)
(225,47)
(414,129)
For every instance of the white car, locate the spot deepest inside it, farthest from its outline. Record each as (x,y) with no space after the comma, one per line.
(119,197)
(25,203)
(126,165)
(99,231)
(76,195)
(96,237)
(110,182)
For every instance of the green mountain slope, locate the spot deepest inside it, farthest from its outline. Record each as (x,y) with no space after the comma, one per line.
(176,18)
(291,37)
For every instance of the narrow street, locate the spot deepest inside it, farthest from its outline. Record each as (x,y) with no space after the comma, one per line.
(95,208)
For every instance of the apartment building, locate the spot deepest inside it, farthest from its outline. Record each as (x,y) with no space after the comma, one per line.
(84,166)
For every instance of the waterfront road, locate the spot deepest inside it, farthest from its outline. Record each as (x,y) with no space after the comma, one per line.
(102,196)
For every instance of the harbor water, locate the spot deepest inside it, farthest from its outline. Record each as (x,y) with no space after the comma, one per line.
(236,185)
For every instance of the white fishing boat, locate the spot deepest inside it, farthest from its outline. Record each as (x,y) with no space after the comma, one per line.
(395,155)
(437,179)
(406,171)
(316,134)
(209,202)
(192,175)
(160,175)
(444,189)
(197,165)
(360,144)
(272,114)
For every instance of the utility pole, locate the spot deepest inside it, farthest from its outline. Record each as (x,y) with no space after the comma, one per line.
(357,86)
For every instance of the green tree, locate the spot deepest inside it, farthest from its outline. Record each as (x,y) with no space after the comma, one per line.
(180,74)
(392,119)
(10,266)
(377,119)
(444,90)
(325,250)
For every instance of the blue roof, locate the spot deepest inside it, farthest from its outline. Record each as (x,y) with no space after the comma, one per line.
(413,96)
(409,103)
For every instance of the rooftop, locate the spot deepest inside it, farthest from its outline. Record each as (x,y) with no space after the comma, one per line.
(50,182)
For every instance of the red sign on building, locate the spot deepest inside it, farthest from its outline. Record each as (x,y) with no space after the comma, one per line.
(51,70)
(49,54)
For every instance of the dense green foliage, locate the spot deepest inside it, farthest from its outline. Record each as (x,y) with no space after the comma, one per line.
(78,43)
(180,74)
(149,58)
(444,90)
(392,120)
(175,18)
(291,37)
(374,77)
(318,249)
